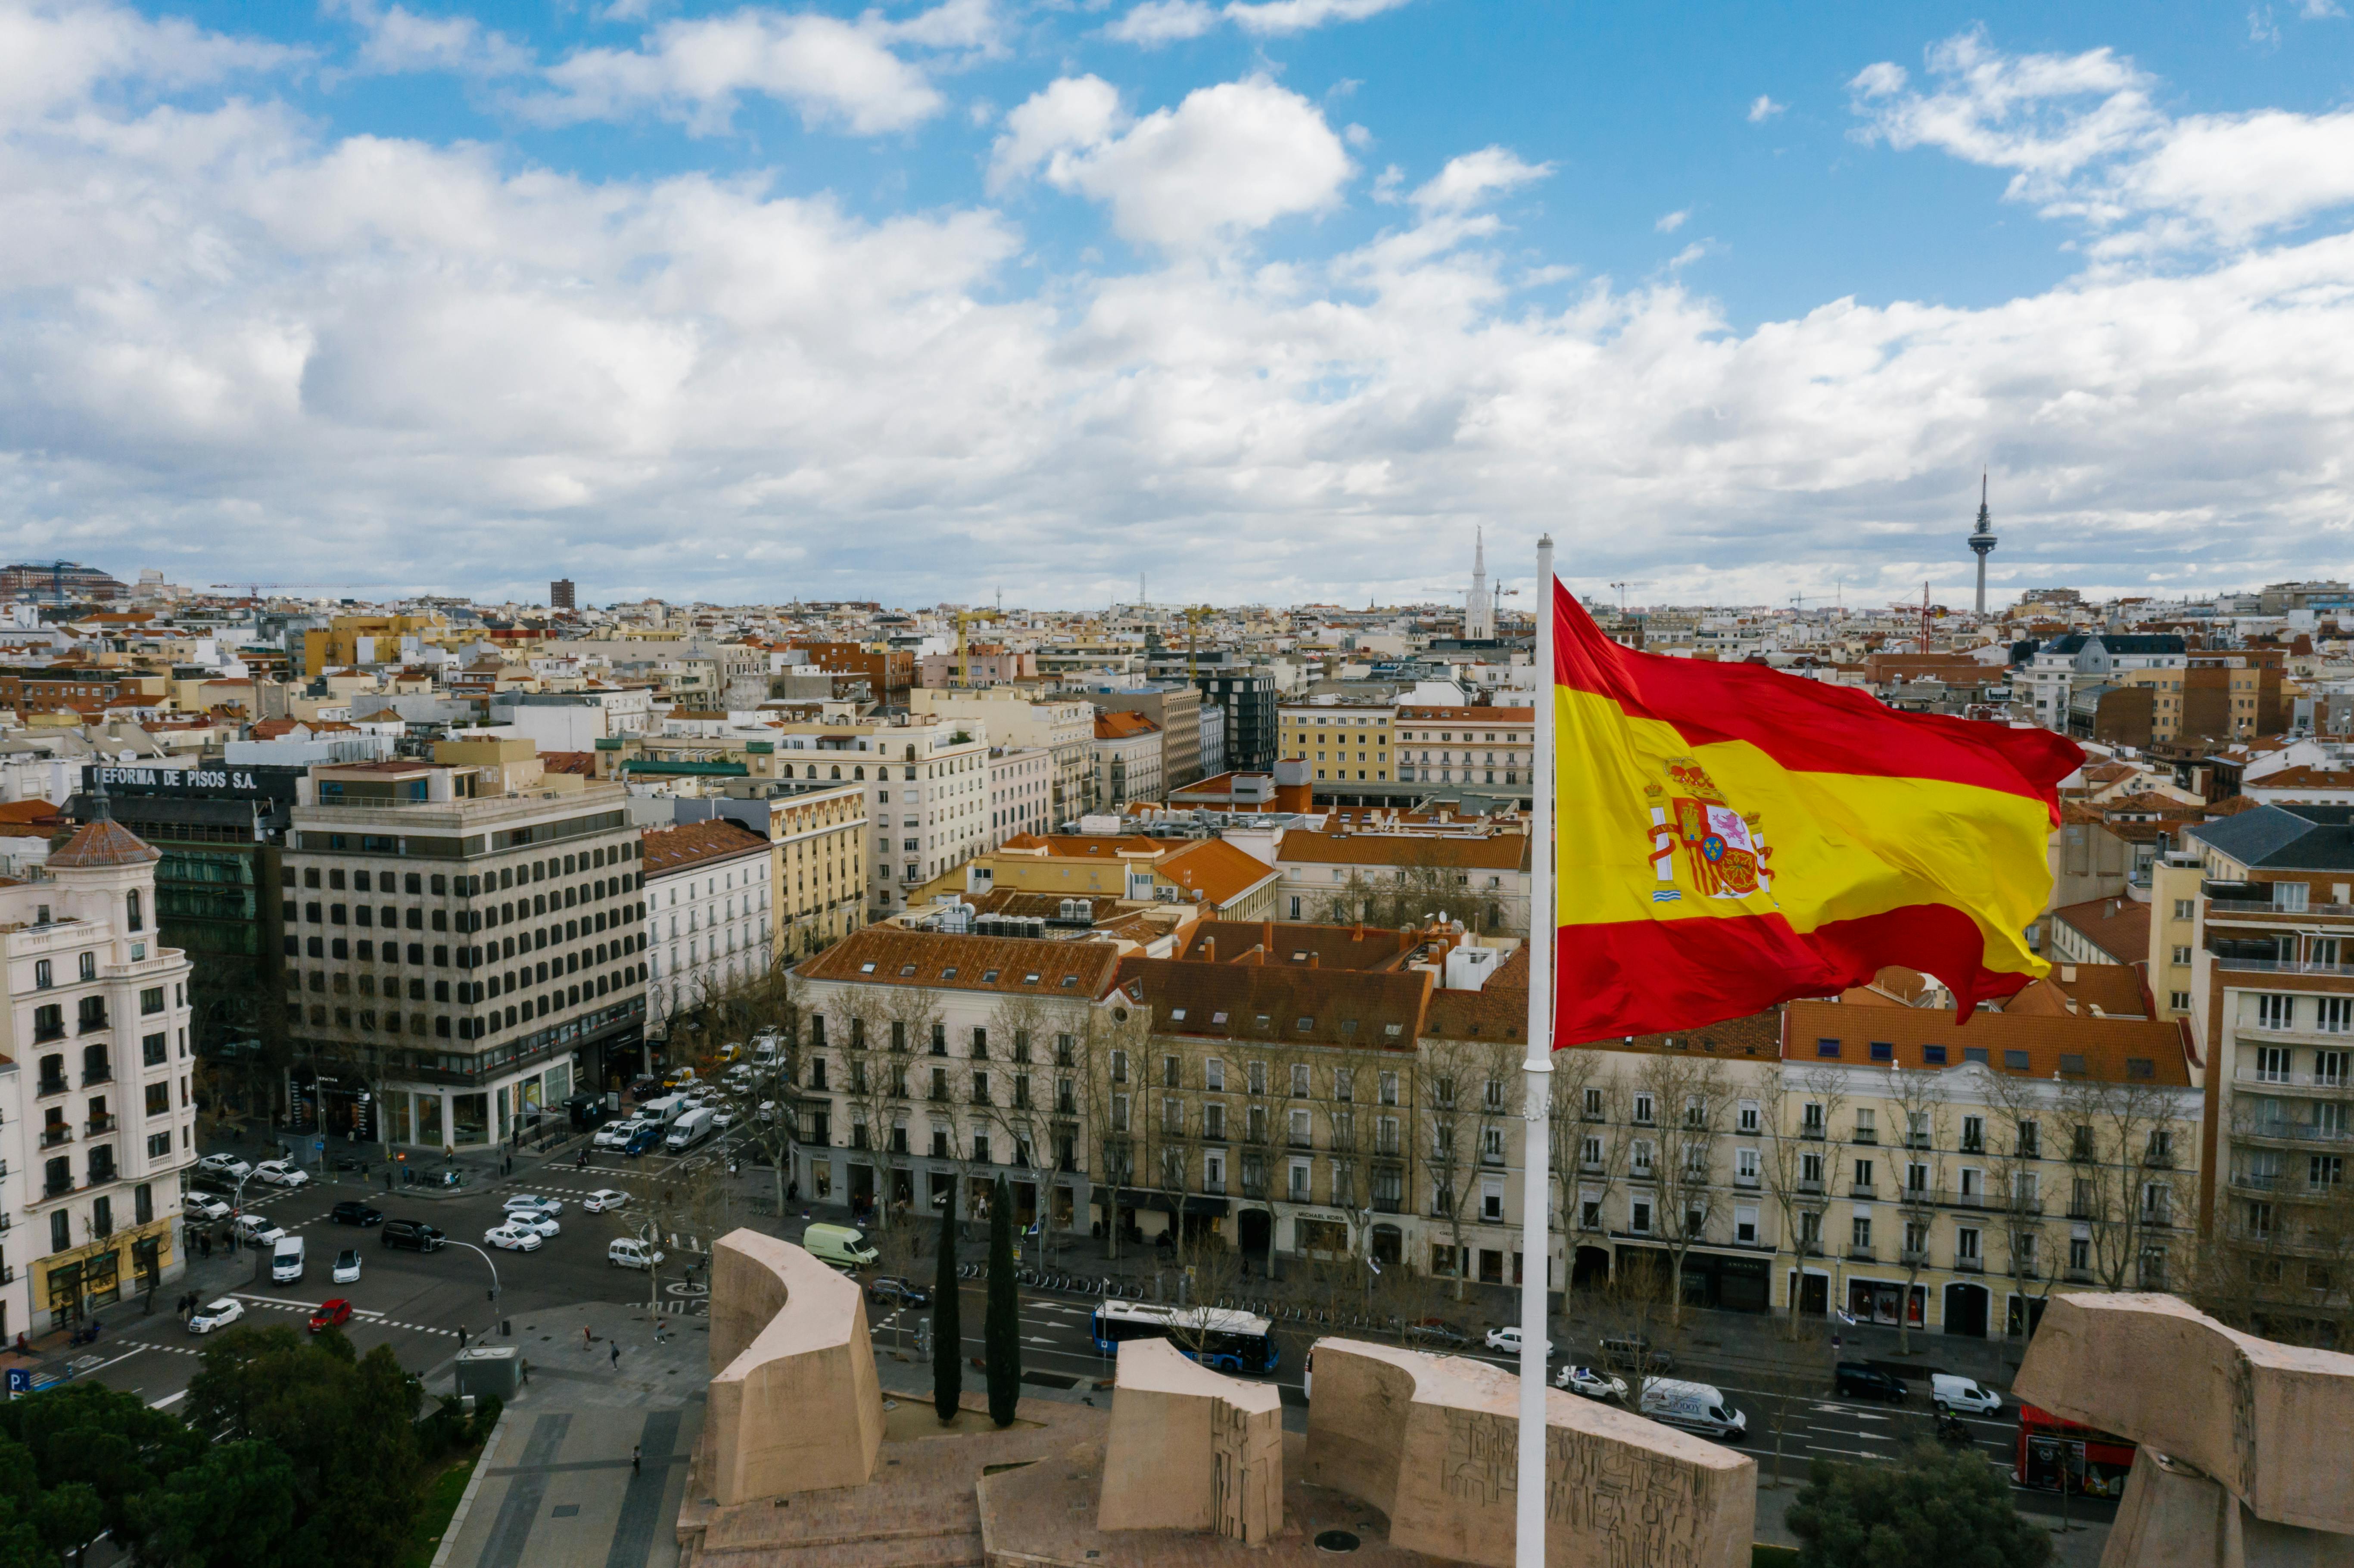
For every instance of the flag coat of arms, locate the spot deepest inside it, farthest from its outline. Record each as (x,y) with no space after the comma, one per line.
(1729,836)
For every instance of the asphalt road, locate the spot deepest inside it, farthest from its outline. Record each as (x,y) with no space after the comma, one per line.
(416,1302)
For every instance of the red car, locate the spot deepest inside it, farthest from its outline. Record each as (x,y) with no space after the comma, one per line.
(331,1315)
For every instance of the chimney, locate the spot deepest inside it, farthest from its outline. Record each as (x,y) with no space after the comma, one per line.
(1315,961)
(1209,949)
(1267,935)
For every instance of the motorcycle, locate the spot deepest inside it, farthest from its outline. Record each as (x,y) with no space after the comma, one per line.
(1951,1430)
(85,1335)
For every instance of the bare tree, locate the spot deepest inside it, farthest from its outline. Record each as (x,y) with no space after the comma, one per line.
(2123,1183)
(1629,1322)
(1916,1101)
(1589,1143)
(1425,884)
(1111,1060)
(1451,1090)
(1022,1025)
(873,1088)
(1801,1119)
(1690,1098)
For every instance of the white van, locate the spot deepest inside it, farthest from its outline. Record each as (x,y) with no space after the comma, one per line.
(1693,1406)
(764,1047)
(286,1260)
(689,1131)
(840,1246)
(664,1111)
(628,1252)
(1961,1395)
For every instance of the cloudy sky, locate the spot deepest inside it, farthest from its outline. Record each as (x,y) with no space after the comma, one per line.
(1270,300)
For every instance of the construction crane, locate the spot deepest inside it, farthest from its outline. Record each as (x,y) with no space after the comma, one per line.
(1622,589)
(965,618)
(1194,615)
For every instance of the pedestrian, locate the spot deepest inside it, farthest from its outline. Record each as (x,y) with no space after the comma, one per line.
(527,1374)
(461,1336)
(586,1337)
(634,1469)
(617,1355)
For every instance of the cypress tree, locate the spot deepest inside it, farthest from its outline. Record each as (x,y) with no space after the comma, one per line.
(1001,1330)
(948,1334)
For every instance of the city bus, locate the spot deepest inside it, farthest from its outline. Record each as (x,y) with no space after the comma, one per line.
(1230,1341)
(2055,1456)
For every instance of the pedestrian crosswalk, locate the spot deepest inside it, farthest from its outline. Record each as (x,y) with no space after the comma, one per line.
(377,1319)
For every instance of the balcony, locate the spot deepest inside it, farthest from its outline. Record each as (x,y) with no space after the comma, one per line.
(1811,1189)
(1859,1254)
(1866,1138)
(1912,1258)
(45,1030)
(1969,1265)
(2079,1276)
(57,1186)
(97,1076)
(1738,1181)
(54,1134)
(2281,1079)
(1308,1140)
(99,1125)
(2282,1130)
(940,1095)
(1862,1191)
(2252,1181)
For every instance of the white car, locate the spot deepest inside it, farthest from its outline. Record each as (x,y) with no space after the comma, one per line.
(721,1120)
(279,1173)
(1508,1341)
(1585,1380)
(347,1267)
(604,1199)
(512,1237)
(255,1230)
(227,1166)
(768,1111)
(537,1224)
(526,1203)
(614,1134)
(628,1252)
(214,1315)
(203,1206)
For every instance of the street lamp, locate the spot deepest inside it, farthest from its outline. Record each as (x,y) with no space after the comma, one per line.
(489,1264)
(318,1132)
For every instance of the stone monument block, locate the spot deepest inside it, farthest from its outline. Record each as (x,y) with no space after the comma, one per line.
(1191,1448)
(795,1405)
(2264,1421)
(1433,1441)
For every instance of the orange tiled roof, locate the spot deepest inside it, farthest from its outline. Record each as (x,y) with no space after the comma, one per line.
(104,843)
(893,956)
(1501,851)
(2064,1045)
(666,849)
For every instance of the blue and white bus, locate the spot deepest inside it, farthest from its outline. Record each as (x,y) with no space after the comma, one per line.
(1230,1341)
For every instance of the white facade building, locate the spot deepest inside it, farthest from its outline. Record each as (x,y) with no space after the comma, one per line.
(708,913)
(1021,793)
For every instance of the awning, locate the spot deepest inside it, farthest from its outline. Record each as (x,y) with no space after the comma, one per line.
(1167,1203)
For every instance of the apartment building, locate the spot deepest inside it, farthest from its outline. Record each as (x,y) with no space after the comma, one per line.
(1128,759)
(96,1108)
(1341,742)
(1022,789)
(464,959)
(1485,748)
(927,788)
(1219,880)
(1389,877)
(709,915)
(934,1062)
(2273,1005)
(2058,667)
(1020,719)
(1177,709)
(817,834)
(1951,1173)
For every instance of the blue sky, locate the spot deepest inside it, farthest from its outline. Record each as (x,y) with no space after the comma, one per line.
(1274,299)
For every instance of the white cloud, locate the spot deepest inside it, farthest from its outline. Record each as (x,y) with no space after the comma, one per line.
(1761,109)
(2318,10)
(268,355)
(2086,141)
(1468,180)
(54,54)
(1672,221)
(1155,22)
(1228,160)
(399,41)
(1163,22)
(834,73)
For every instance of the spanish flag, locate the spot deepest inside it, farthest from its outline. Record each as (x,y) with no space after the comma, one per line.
(1730,837)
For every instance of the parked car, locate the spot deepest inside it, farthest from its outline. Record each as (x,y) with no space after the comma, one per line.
(527,1203)
(225,1165)
(893,1291)
(629,1252)
(616,1133)
(1635,1350)
(1431,1331)
(512,1237)
(331,1314)
(214,1315)
(1592,1385)
(1962,1396)
(1508,1340)
(280,1173)
(348,1267)
(288,1257)
(1856,1380)
(352,1212)
(256,1230)
(414,1235)
(649,1135)
(721,1120)
(200,1207)
(840,1246)
(605,1200)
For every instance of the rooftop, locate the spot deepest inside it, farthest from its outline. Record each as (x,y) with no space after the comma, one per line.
(893,955)
(666,849)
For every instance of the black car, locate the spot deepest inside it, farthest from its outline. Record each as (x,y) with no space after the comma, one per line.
(1858,1381)
(352,1212)
(414,1235)
(897,1292)
(1437,1333)
(1626,1351)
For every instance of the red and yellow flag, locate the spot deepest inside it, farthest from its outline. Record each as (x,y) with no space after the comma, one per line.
(1731,837)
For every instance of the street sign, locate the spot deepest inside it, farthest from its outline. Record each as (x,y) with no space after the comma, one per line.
(318,1145)
(20,1382)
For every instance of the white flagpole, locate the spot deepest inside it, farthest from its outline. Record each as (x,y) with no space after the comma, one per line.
(1536,1175)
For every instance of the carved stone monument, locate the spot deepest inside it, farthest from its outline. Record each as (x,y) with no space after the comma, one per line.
(1191,1448)
(2241,1440)
(1432,1441)
(795,1405)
